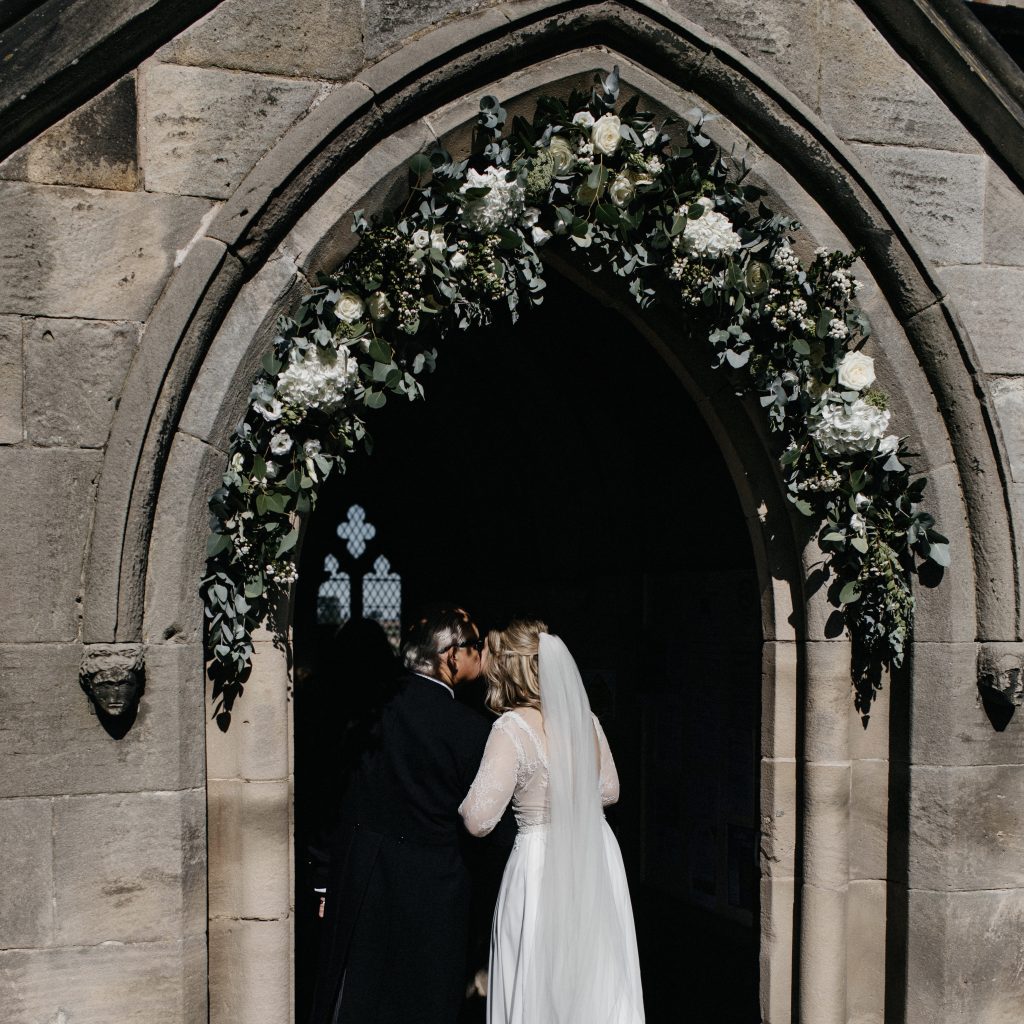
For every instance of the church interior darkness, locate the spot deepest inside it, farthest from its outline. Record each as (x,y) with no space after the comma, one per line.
(559,469)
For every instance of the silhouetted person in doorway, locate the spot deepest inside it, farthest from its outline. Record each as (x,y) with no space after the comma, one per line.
(398,893)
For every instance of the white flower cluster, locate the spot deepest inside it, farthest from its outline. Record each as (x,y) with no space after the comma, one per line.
(711,234)
(319,379)
(856,427)
(843,284)
(837,329)
(502,206)
(785,259)
(792,313)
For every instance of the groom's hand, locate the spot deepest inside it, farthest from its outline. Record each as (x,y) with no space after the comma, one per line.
(323,903)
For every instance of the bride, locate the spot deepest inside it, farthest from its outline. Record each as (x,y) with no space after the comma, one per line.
(563,945)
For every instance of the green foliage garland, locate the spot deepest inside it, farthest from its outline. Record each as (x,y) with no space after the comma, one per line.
(673,221)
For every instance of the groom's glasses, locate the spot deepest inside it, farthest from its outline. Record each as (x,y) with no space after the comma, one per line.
(477,645)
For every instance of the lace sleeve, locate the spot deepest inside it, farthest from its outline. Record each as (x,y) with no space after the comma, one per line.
(609,774)
(494,784)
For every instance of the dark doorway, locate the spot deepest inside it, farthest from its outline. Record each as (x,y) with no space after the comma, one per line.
(559,469)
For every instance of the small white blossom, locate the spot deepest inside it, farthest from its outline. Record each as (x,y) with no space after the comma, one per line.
(237,462)
(539,236)
(711,234)
(458,261)
(584,118)
(785,259)
(530,216)
(311,448)
(861,500)
(654,165)
(837,329)
(437,238)
(889,444)
(280,443)
(650,136)
(421,238)
(858,524)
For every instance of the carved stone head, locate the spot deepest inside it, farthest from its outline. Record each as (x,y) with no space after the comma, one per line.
(1001,672)
(113,676)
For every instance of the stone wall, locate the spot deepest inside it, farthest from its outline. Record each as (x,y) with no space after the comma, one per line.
(106,918)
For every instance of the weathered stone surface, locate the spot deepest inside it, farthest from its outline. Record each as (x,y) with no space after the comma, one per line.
(26,852)
(95,146)
(11,376)
(293,38)
(177,556)
(871,94)
(203,129)
(254,748)
(865,952)
(129,867)
(779,813)
(822,953)
(1008,399)
(250,849)
(250,971)
(967,827)
(1004,218)
(868,828)
(939,195)
(775,951)
(51,741)
(964,958)
(137,983)
(825,824)
(389,21)
(86,359)
(220,395)
(89,253)
(778,699)
(44,520)
(829,696)
(990,301)
(780,38)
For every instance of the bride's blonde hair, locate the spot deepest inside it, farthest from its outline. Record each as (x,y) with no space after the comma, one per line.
(512,674)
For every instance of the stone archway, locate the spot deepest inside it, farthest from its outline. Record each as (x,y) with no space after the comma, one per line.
(821,777)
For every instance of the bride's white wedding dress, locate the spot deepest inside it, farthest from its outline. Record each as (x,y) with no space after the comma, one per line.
(563,943)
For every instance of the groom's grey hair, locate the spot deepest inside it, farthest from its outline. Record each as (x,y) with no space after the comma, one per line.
(432,633)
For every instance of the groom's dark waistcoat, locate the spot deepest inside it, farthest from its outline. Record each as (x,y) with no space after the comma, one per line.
(398,891)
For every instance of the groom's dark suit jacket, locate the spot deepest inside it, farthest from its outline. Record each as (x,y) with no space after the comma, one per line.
(398,891)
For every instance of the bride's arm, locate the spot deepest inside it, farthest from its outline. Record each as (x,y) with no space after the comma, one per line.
(609,773)
(493,786)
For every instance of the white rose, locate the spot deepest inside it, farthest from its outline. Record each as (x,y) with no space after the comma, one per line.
(856,371)
(584,118)
(889,444)
(280,443)
(604,135)
(561,155)
(421,238)
(379,305)
(539,235)
(650,136)
(349,307)
(437,238)
(621,190)
(458,261)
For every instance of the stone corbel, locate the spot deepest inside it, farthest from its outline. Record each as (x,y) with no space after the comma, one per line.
(113,675)
(1001,673)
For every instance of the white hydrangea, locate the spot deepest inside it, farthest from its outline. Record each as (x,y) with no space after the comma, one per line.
(853,427)
(710,234)
(502,206)
(319,379)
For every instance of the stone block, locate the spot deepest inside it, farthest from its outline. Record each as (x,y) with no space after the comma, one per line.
(74,371)
(250,849)
(778,699)
(990,301)
(871,94)
(44,511)
(220,396)
(775,950)
(390,21)
(129,867)
(52,742)
(12,428)
(967,827)
(89,253)
(1004,218)
(181,523)
(964,957)
(822,955)
(865,952)
(825,824)
(948,722)
(250,971)
(779,812)
(203,130)
(780,38)
(137,983)
(292,38)
(26,852)
(94,146)
(938,195)
(869,819)
(256,745)
(1008,400)
(829,698)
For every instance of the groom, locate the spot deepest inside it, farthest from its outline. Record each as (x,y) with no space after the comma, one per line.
(398,890)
